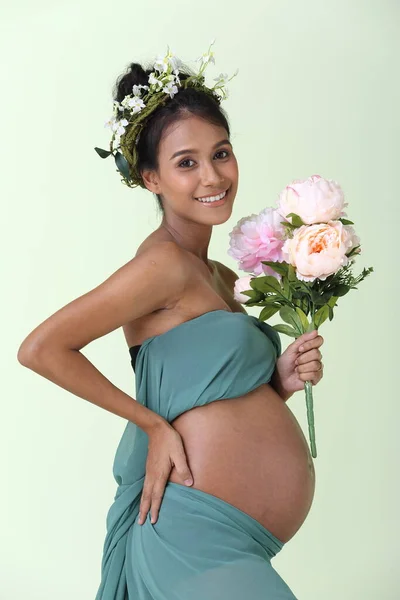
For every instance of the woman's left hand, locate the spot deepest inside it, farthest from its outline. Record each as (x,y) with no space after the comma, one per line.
(300,362)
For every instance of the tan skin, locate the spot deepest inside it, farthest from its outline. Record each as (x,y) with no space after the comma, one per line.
(132,298)
(189,223)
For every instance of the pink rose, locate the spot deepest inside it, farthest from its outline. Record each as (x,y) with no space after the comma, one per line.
(256,238)
(315,200)
(317,251)
(242,284)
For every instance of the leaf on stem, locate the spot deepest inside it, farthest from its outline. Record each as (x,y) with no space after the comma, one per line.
(290,316)
(286,329)
(103,153)
(122,165)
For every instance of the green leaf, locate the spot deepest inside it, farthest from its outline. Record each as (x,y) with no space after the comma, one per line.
(286,330)
(353,251)
(292,273)
(332,301)
(301,302)
(268,311)
(346,221)
(251,293)
(321,315)
(296,220)
(103,153)
(290,316)
(272,299)
(122,165)
(268,284)
(303,319)
(341,289)
(287,292)
(279,267)
(288,225)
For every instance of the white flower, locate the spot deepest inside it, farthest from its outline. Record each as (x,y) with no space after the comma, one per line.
(222,79)
(119,126)
(176,72)
(110,122)
(207,57)
(160,64)
(136,89)
(170,89)
(241,285)
(163,63)
(135,104)
(116,108)
(174,61)
(154,81)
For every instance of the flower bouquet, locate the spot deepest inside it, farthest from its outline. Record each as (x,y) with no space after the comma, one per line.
(300,256)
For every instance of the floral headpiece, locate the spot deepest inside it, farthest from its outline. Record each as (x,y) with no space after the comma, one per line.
(130,116)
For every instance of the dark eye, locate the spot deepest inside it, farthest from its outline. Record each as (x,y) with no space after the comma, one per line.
(185,161)
(181,164)
(226,152)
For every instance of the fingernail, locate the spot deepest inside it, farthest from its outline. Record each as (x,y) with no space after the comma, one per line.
(188,481)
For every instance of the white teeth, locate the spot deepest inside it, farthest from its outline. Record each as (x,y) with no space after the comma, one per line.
(212,198)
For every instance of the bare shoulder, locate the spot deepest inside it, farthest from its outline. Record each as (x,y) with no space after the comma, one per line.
(227,274)
(154,279)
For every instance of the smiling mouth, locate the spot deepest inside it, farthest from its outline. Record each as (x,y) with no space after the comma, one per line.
(215,198)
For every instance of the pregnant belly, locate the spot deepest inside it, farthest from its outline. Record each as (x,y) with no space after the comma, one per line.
(251,452)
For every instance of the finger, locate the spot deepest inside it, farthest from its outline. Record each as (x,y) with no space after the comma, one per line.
(313,377)
(310,367)
(156,499)
(310,344)
(145,502)
(182,467)
(314,354)
(305,337)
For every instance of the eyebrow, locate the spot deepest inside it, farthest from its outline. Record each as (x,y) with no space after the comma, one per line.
(192,151)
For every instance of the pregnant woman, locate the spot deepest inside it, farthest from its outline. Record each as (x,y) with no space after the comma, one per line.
(214,473)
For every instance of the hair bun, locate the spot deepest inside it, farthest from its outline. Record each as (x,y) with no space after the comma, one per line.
(135,75)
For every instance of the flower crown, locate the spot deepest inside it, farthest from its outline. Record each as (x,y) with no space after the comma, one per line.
(130,116)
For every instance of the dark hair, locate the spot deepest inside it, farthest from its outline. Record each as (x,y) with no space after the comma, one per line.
(188,101)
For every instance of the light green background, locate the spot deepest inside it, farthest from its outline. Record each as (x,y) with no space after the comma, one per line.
(317,92)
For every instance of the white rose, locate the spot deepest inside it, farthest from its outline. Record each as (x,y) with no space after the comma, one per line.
(315,200)
(242,284)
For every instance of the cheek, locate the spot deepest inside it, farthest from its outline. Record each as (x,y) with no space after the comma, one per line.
(180,180)
(233,169)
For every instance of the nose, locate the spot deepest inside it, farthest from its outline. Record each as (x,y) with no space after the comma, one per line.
(210,176)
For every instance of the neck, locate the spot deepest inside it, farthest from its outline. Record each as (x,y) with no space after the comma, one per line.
(193,237)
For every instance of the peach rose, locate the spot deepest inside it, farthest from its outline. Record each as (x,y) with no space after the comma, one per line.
(317,251)
(315,200)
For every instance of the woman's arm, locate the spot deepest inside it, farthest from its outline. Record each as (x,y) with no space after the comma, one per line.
(152,280)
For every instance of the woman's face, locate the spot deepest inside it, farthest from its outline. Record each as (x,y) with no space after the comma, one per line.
(196,160)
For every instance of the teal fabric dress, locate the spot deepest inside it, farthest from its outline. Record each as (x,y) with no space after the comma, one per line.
(201,547)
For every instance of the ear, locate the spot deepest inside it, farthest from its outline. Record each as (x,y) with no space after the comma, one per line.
(150,179)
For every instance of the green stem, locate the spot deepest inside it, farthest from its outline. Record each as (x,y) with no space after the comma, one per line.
(310,417)
(310,401)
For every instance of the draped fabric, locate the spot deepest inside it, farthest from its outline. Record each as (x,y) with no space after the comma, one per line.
(217,355)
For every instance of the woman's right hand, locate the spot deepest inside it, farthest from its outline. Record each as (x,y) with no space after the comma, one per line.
(165,451)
